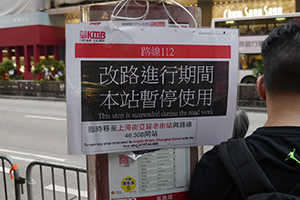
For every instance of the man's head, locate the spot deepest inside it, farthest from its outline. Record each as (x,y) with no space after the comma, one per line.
(281,54)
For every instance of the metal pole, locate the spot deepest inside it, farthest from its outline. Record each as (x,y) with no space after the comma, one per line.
(4,180)
(16,175)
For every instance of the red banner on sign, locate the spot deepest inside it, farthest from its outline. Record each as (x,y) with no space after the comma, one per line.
(84,50)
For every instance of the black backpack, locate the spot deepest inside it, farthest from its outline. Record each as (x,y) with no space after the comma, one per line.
(249,178)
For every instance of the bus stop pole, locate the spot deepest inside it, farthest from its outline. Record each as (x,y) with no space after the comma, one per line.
(97,177)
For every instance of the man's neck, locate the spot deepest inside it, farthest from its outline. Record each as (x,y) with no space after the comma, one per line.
(283,110)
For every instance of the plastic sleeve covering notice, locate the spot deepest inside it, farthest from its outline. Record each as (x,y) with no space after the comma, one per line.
(136,89)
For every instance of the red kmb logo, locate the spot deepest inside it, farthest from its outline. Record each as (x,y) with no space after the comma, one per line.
(92,35)
(158,24)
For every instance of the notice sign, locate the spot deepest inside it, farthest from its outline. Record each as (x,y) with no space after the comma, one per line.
(162,174)
(148,88)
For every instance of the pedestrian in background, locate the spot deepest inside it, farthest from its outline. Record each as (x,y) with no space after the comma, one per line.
(241,124)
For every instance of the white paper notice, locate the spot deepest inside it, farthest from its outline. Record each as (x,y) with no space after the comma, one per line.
(141,88)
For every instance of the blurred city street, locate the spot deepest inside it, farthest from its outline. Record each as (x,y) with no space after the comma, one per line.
(257,119)
(37,130)
(40,128)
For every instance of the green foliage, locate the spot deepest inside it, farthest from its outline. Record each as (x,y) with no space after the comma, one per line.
(259,69)
(52,69)
(5,67)
(39,68)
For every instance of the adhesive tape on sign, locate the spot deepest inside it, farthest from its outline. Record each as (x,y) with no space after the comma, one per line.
(128,184)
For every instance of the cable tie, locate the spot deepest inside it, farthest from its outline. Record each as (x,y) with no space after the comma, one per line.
(13,167)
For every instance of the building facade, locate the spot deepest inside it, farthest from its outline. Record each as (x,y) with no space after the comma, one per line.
(32,30)
(244,8)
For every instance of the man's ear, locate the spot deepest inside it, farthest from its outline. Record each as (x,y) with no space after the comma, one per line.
(260,87)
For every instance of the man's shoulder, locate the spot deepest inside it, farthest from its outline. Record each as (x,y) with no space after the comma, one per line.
(269,146)
(210,176)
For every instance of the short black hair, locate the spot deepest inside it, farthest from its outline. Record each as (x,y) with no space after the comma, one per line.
(281,57)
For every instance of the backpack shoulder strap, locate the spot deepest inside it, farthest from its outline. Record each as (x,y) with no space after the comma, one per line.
(243,168)
(296,190)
